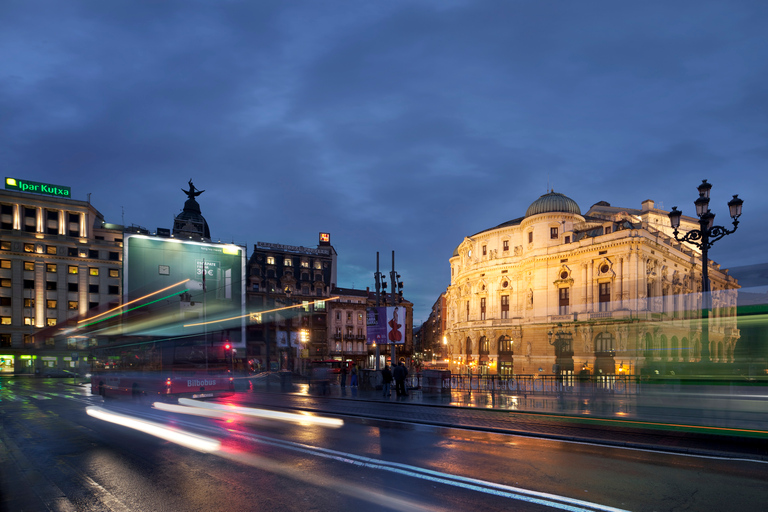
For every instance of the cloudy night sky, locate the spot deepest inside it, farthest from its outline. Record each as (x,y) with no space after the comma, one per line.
(393,125)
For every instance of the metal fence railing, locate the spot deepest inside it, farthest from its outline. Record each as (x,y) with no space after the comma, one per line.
(442,381)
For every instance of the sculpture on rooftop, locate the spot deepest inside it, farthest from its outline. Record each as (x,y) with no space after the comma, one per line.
(192,192)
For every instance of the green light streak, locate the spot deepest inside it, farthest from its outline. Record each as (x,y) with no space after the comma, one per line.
(135,308)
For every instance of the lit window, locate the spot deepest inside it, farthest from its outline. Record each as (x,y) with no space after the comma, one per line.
(50,321)
(93,271)
(29,247)
(604,296)
(270,260)
(29,320)
(5,263)
(50,267)
(50,304)
(113,272)
(72,304)
(72,269)
(50,249)
(29,265)
(318,265)
(288,262)
(564,301)
(5,283)
(5,320)
(304,264)
(29,303)
(5,246)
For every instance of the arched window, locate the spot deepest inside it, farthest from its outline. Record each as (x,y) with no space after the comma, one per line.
(505,345)
(484,348)
(673,350)
(663,347)
(604,342)
(648,352)
(469,346)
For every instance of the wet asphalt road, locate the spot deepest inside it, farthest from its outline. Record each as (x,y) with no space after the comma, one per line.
(56,457)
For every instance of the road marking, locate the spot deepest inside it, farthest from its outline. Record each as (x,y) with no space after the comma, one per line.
(473,484)
(484,486)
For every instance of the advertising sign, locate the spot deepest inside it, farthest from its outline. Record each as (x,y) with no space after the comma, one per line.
(386,325)
(39,188)
(205,286)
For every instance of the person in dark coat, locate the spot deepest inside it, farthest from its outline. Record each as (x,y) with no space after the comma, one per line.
(386,379)
(400,373)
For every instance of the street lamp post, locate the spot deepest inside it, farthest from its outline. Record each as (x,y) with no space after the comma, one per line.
(704,238)
(562,341)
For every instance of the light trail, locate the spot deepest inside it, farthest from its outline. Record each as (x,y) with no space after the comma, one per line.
(193,441)
(223,411)
(259,313)
(135,308)
(131,302)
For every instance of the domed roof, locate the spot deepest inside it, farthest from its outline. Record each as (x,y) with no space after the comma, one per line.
(553,202)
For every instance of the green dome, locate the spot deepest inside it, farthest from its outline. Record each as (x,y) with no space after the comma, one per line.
(553,202)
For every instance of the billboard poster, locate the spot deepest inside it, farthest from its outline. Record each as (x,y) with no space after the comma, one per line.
(199,284)
(386,325)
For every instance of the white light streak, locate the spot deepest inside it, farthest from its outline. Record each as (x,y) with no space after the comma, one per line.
(214,410)
(193,441)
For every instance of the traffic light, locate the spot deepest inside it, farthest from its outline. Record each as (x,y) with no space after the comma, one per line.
(227,346)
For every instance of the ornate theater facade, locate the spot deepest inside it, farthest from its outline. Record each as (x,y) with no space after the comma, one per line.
(607,292)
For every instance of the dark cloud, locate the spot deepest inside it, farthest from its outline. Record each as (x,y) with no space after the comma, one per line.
(395,125)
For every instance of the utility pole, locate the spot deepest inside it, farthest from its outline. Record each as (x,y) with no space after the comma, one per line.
(393,280)
(377,276)
(266,327)
(397,296)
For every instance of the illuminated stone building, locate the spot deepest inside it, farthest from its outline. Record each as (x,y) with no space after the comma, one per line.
(347,322)
(433,330)
(297,278)
(58,259)
(608,292)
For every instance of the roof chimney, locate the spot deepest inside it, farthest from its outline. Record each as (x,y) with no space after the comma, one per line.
(647,205)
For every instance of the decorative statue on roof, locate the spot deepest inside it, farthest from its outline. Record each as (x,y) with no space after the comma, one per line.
(192,192)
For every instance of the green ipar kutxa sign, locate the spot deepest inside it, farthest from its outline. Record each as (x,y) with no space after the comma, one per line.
(39,188)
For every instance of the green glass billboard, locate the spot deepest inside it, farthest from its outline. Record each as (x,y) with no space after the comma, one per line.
(184,288)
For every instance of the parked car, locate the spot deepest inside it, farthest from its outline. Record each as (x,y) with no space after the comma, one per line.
(57,372)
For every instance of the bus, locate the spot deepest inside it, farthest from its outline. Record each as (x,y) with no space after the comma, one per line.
(166,370)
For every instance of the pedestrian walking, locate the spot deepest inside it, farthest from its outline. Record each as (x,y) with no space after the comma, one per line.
(386,379)
(343,381)
(400,373)
(354,377)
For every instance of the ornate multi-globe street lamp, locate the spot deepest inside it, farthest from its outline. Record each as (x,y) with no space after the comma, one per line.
(704,238)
